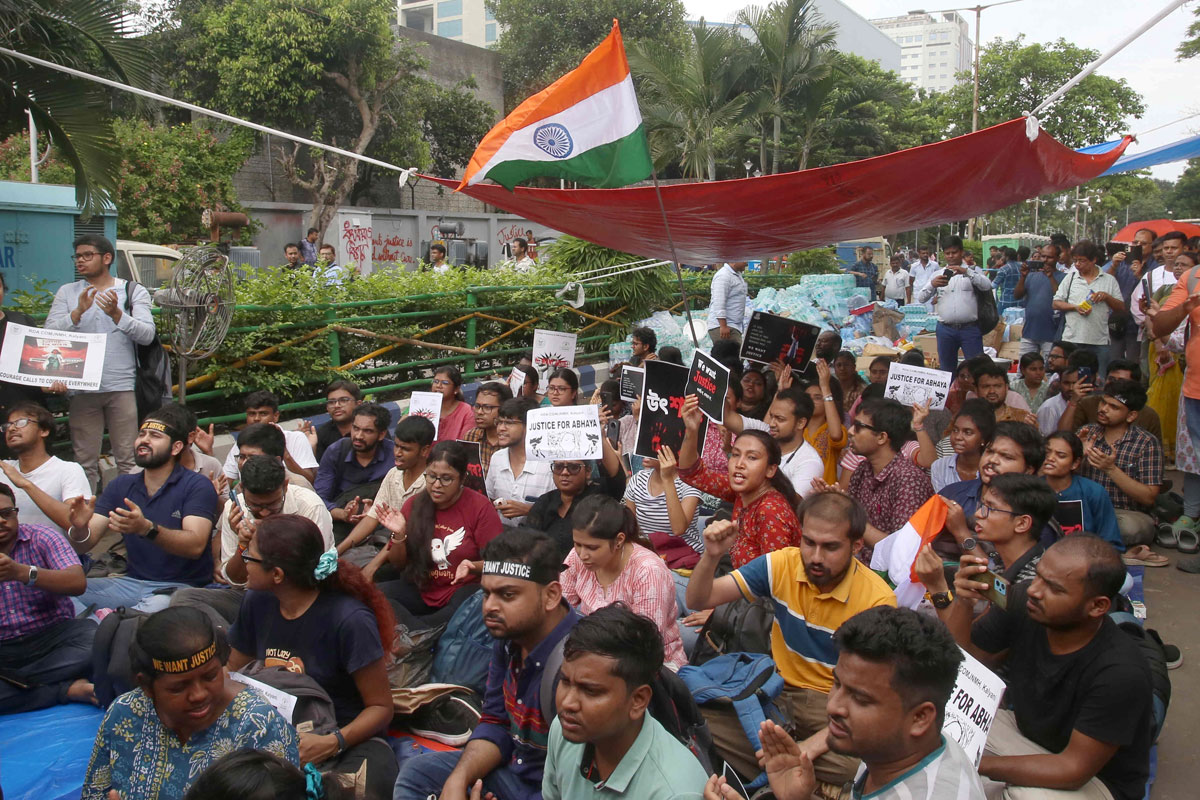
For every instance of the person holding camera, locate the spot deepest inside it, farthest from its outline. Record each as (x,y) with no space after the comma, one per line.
(956,307)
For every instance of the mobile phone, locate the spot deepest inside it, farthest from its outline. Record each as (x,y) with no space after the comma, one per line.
(1112,248)
(947,273)
(1135,252)
(1038,265)
(613,432)
(997,591)
(1086,375)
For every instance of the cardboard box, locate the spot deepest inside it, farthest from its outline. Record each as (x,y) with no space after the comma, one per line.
(1010,350)
(927,342)
(995,338)
(873,350)
(883,322)
(1015,331)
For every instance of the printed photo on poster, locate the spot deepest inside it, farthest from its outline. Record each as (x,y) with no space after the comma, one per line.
(770,338)
(911,385)
(516,381)
(551,350)
(972,707)
(662,397)
(474,477)
(569,433)
(38,357)
(632,379)
(427,405)
(708,379)
(1069,515)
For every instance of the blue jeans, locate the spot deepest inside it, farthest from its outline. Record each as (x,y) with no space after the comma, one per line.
(126,592)
(951,338)
(49,661)
(688,634)
(424,775)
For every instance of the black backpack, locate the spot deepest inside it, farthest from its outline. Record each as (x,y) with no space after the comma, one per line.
(989,313)
(152,386)
(112,668)
(742,626)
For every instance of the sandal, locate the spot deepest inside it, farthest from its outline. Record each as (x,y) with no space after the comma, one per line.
(1188,541)
(1143,556)
(1166,537)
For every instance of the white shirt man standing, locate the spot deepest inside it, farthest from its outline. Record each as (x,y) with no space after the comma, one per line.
(728,304)
(957,309)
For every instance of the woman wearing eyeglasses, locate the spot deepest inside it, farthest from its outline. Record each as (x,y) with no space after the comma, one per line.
(437,538)
(562,387)
(572,482)
(457,416)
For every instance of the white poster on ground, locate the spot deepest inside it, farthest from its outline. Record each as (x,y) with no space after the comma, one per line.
(972,707)
(427,405)
(551,350)
(568,433)
(914,385)
(39,357)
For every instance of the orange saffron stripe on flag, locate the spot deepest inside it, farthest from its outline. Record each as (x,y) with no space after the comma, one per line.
(603,67)
(928,522)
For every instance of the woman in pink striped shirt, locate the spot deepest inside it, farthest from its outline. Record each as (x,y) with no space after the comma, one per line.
(612,561)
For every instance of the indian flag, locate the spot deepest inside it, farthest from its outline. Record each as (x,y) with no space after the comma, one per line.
(585,127)
(897,552)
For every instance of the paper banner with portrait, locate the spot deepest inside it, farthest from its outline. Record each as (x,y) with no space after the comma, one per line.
(567,433)
(39,357)
(659,424)
(912,385)
(551,350)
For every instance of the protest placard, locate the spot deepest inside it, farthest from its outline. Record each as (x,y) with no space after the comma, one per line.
(1069,515)
(632,379)
(38,357)
(569,433)
(516,381)
(427,405)
(972,707)
(551,350)
(474,476)
(708,379)
(914,385)
(659,424)
(770,338)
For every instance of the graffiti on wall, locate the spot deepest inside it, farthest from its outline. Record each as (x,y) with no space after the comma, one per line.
(356,242)
(393,249)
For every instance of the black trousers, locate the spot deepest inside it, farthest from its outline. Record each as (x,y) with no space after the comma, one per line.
(48,662)
(411,609)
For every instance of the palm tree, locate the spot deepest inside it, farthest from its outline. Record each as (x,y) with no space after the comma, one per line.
(692,97)
(825,109)
(791,50)
(88,35)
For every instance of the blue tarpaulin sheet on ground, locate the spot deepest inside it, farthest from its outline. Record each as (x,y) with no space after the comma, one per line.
(43,754)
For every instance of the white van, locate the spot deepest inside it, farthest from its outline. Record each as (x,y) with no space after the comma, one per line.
(151,265)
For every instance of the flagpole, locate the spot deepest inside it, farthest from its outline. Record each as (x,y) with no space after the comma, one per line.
(687,307)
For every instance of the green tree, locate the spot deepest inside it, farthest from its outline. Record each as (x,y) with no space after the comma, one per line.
(1015,77)
(1185,199)
(88,35)
(1190,46)
(544,39)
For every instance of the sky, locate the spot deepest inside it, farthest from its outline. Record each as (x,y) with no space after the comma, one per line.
(1147,65)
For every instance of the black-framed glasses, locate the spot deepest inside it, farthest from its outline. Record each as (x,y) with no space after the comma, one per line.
(552,389)
(85,256)
(859,426)
(441,480)
(16,423)
(274,507)
(9,513)
(985,510)
(253,559)
(486,407)
(570,469)
(339,401)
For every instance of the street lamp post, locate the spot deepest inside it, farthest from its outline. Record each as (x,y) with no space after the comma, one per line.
(747,164)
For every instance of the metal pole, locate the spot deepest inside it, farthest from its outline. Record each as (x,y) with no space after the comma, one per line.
(687,306)
(1037,202)
(1075,235)
(975,102)
(33,156)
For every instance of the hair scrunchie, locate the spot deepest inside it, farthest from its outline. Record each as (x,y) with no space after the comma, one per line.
(327,564)
(314,788)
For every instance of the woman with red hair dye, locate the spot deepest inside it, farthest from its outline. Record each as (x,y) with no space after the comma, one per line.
(313,614)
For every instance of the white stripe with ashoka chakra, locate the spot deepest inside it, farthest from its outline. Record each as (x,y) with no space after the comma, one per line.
(606,117)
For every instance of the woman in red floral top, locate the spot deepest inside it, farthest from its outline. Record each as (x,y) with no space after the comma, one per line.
(764,501)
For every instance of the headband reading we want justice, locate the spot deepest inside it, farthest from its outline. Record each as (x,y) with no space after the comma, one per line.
(515,569)
(185,664)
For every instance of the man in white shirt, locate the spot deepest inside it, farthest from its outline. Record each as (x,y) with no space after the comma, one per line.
(727,306)
(922,271)
(263,406)
(785,420)
(957,309)
(514,483)
(520,255)
(264,492)
(437,259)
(897,282)
(41,483)
(1157,274)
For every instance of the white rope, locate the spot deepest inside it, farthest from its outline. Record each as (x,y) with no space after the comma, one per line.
(1092,67)
(623,271)
(198,109)
(1167,125)
(622,266)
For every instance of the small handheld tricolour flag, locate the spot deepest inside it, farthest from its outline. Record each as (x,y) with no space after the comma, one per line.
(584,127)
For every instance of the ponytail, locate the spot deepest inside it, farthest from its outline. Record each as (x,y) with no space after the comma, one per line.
(779,481)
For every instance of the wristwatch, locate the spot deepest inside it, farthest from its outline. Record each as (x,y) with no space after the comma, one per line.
(828,398)
(940,599)
(33,573)
(153,532)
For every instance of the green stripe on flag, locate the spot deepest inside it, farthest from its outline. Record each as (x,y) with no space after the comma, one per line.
(608,166)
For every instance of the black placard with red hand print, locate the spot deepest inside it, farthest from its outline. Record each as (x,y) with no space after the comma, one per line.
(662,399)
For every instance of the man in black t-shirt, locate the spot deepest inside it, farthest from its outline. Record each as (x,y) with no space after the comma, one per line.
(1079,688)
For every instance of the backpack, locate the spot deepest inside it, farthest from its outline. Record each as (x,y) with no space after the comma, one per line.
(464,652)
(748,682)
(152,384)
(988,312)
(671,703)
(314,711)
(112,667)
(742,626)
(1151,646)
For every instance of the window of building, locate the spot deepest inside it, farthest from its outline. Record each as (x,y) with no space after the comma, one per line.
(489,33)
(449,8)
(488,15)
(450,29)
(917,38)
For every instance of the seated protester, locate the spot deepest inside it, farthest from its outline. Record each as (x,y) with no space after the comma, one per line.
(786,419)
(263,491)
(970,431)
(851,460)
(815,588)
(991,381)
(313,614)
(529,389)
(437,536)
(1079,688)
(612,562)
(41,483)
(551,514)
(845,368)
(1064,456)
(185,714)
(1031,382)
(413,439)
(664,506)
(257,775)
(341,398)
(963,383)
(878,369)
(164,514)
(764,501)
(353,468)
(896,671)
(42,644)
(1086,363)
(263,407)
(488,399)
(754,401)
(524,611)
(514,482)
(644,341)
(671,354)
(983,365)
(1128,462)
(193,457)
(888,486)
(457,416)
(562,388)
(1051,413)
(1087,408)
(262,439)
(603,739)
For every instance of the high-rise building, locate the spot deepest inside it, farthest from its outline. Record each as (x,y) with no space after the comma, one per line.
(934,48)
(467,21)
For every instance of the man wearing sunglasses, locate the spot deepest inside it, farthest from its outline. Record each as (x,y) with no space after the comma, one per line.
(263,491)
(98,303)
(41,483)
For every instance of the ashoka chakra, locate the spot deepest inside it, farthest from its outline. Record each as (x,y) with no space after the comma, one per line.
(554,140)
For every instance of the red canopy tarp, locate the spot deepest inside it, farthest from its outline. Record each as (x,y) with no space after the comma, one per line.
(734,220)
(1159,226)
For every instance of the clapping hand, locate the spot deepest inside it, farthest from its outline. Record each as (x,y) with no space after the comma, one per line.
(80,510)
(1105,462)
(127,520)
(391,518)
(204,439)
